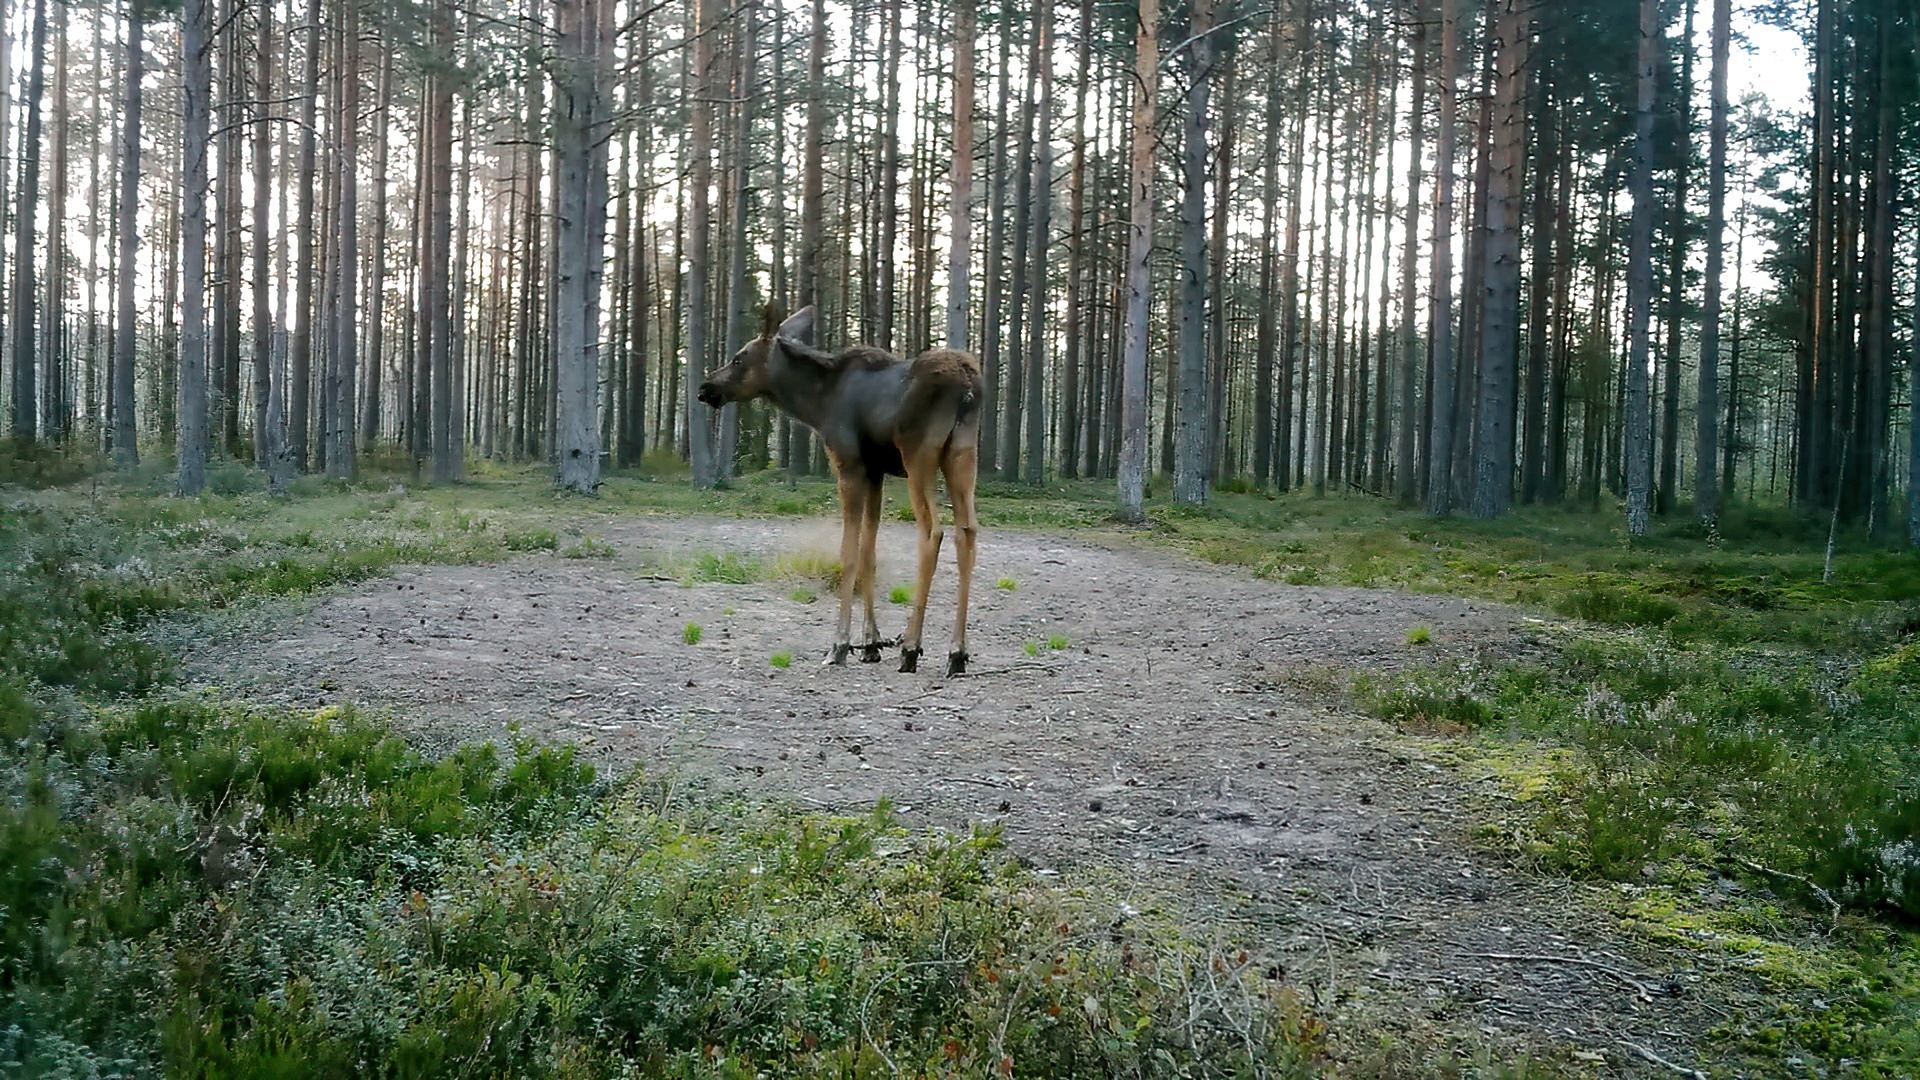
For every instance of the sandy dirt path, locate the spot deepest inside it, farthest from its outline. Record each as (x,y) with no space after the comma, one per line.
(1170,745)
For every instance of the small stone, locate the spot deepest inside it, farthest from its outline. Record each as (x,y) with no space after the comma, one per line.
(1096,805)
(1005,806)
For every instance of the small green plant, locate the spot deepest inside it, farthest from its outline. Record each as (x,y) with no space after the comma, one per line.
(531,540)
(691,635)
(802,596)
(1006,583)
(781,659)
(900,594)
(1056,642)
(728,569)
(1032,647)
(590,548)
(1419,635)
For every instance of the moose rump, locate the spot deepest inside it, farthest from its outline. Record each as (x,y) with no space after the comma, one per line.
(878,416)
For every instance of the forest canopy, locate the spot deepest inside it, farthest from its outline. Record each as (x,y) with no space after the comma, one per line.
(1461,255)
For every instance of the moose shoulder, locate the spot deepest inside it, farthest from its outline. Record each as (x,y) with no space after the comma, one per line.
(878,416)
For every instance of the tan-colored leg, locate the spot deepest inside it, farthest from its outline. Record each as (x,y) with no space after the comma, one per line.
(961,468)
(920,477)
(870,570)
(853,503)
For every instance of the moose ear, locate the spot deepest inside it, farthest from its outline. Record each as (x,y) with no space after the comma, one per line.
(799,325)
(770,320)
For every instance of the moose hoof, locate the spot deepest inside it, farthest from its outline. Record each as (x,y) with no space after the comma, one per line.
(870,653)
(840,652)
(909,660)
(956,663)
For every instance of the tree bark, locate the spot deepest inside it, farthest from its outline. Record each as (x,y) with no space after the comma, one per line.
(1440,452)
(1706,488)
(1639,433)
(126,451)
(1190,478)
(1406,466)
(966,22)
(1132,465)
(579,229)
(196,87)
(1493,468)
(699,255)
(1077,245)
(342,449)
(26,389)
(1036,363)
(737,253)
(300,348)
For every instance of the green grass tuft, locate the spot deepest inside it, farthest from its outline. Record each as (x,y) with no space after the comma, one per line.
(1007,584)
(1419,635)
(900,594)
(691,635)
(781,659)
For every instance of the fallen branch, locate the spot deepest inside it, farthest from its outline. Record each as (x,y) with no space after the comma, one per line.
(1645,990)
(1655,1059)
(1823,894)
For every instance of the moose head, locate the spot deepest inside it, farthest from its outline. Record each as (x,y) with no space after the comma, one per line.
(752,371)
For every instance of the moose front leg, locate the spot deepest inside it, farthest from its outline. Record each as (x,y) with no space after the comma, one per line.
(853,504)
(919,491)
(869,570)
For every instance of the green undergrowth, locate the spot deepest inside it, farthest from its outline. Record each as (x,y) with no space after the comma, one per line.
(1758,806)
(202,889)
(195,886)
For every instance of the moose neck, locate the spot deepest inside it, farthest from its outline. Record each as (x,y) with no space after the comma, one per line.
(800,384)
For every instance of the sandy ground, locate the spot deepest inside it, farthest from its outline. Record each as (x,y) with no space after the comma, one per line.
(1178,743)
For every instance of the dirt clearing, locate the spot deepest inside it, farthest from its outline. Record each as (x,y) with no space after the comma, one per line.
(1133,718)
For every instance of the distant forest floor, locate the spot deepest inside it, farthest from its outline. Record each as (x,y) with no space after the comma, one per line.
(1515,793)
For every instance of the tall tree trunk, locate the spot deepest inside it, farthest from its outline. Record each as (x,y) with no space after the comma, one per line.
(226,358)
(438,264)
(1292,348)
(1639,435)
(1706,489)
(1190,478)
(377,284)
(1679,242)
(26,390)
(1014,384)
(1406,466)
(1036,363)
(737,294)
(1132,465)
(1440,452)
(1077,245)
(1268,321)
(1913,412)
(1493,467)
(1217,350)
(269,427)
(342,459)
(966,23)
(300,349)
(126,450)
(196,88)
(699,254)
(579,229)
(990,330)
(813,242)
(889,170)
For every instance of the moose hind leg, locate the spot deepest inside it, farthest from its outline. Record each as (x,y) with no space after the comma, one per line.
(926,516)
(961,470)
(852,507)
(869,570)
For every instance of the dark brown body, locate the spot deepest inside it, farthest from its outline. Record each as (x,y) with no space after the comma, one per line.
(878,416)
